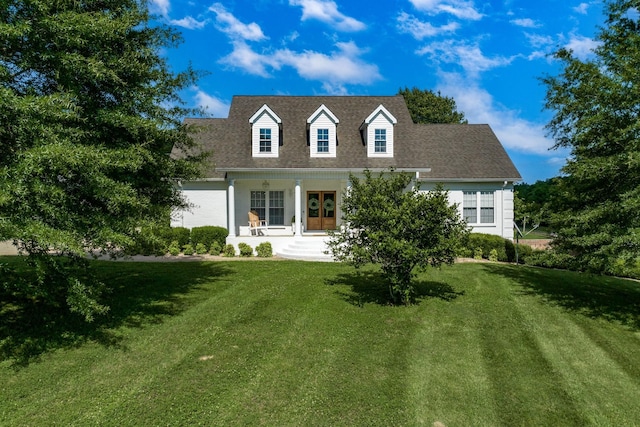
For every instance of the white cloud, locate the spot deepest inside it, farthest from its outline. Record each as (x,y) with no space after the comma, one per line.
(327,11)
(526,23)
(211,104)
(538,41)
(420,30)
(582,47)
(343,66)
(230,25)
(479,106)
(582,8)
(188,22)
(459,8)
(246,59)
(161,7)
(468,56)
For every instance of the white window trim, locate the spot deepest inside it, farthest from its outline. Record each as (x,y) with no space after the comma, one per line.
(328,141)
(260,150)
(478,206)
(267,200)
(376,140)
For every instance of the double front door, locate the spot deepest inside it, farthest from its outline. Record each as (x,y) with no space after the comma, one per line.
(321,210)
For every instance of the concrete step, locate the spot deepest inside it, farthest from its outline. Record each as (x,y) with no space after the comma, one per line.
(308,249)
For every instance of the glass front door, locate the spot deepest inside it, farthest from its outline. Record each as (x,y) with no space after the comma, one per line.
(321,210)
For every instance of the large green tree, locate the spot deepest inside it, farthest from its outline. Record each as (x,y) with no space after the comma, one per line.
(427,106)
(391,223)
(596,104)
(89,112)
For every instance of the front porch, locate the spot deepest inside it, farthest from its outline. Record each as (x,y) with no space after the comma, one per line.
(309,246)
(291,204)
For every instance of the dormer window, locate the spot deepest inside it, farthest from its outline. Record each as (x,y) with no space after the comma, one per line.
(265,140)
(265,132)
(380,144)
(323,138)
(377,133)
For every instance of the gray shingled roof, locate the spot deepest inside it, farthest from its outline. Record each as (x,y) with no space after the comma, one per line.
(470,152)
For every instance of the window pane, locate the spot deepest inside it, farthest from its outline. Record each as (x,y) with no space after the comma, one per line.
(486,207)
(380,145)
(276,207)
(323,140)
(258,203)
(469,207)
(265,140)
(313,205)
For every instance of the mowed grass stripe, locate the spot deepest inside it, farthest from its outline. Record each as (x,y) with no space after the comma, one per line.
(448,377)
(581,359)
(292,343)
(524,385)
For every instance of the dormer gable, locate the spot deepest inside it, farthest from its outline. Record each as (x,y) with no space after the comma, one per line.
(323,135)
(378,132)
(265,132)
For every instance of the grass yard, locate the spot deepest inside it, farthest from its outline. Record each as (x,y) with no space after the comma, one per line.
(538,233)
(294,343)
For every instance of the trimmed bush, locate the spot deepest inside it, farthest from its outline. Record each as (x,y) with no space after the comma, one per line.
(149,240)
(487,242)
(201,249)
(208,234)
(264,250)
(493,255)
(477,253)
(551,259)
(245,250)
(524,252)
(215,249)
(188,249)
(229,250)
(180,234)
(174,248)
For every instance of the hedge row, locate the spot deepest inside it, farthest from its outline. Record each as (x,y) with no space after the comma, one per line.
(156,240)
(487,246)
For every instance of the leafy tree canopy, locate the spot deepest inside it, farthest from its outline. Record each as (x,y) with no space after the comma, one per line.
(397,227)
(532,201)
(596,103)
(427,106)
(89,112)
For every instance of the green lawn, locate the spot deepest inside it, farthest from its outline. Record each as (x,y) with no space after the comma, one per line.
(538,233)
(294,343)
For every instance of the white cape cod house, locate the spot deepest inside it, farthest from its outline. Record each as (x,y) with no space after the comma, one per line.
(288,158)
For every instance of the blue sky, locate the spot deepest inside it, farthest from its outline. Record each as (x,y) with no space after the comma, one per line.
(487,55)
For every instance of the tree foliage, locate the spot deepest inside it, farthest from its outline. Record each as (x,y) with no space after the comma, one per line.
(427,106)
(397,227)
(89,112)
(533,201)
(596,104)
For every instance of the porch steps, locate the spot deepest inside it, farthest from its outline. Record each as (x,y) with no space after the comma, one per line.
(306,249)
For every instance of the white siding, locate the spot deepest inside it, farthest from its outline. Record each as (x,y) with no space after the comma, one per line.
(503,205)
(265,121)
(209,205)
(322,121)
(380,121)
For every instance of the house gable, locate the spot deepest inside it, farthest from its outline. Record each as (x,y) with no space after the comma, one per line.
(265,133)
(323,136)
(378,133)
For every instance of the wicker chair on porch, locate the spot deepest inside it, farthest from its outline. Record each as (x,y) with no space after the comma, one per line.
(256,224)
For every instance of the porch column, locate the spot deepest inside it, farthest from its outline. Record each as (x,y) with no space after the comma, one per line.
(298,208)
(232,208)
